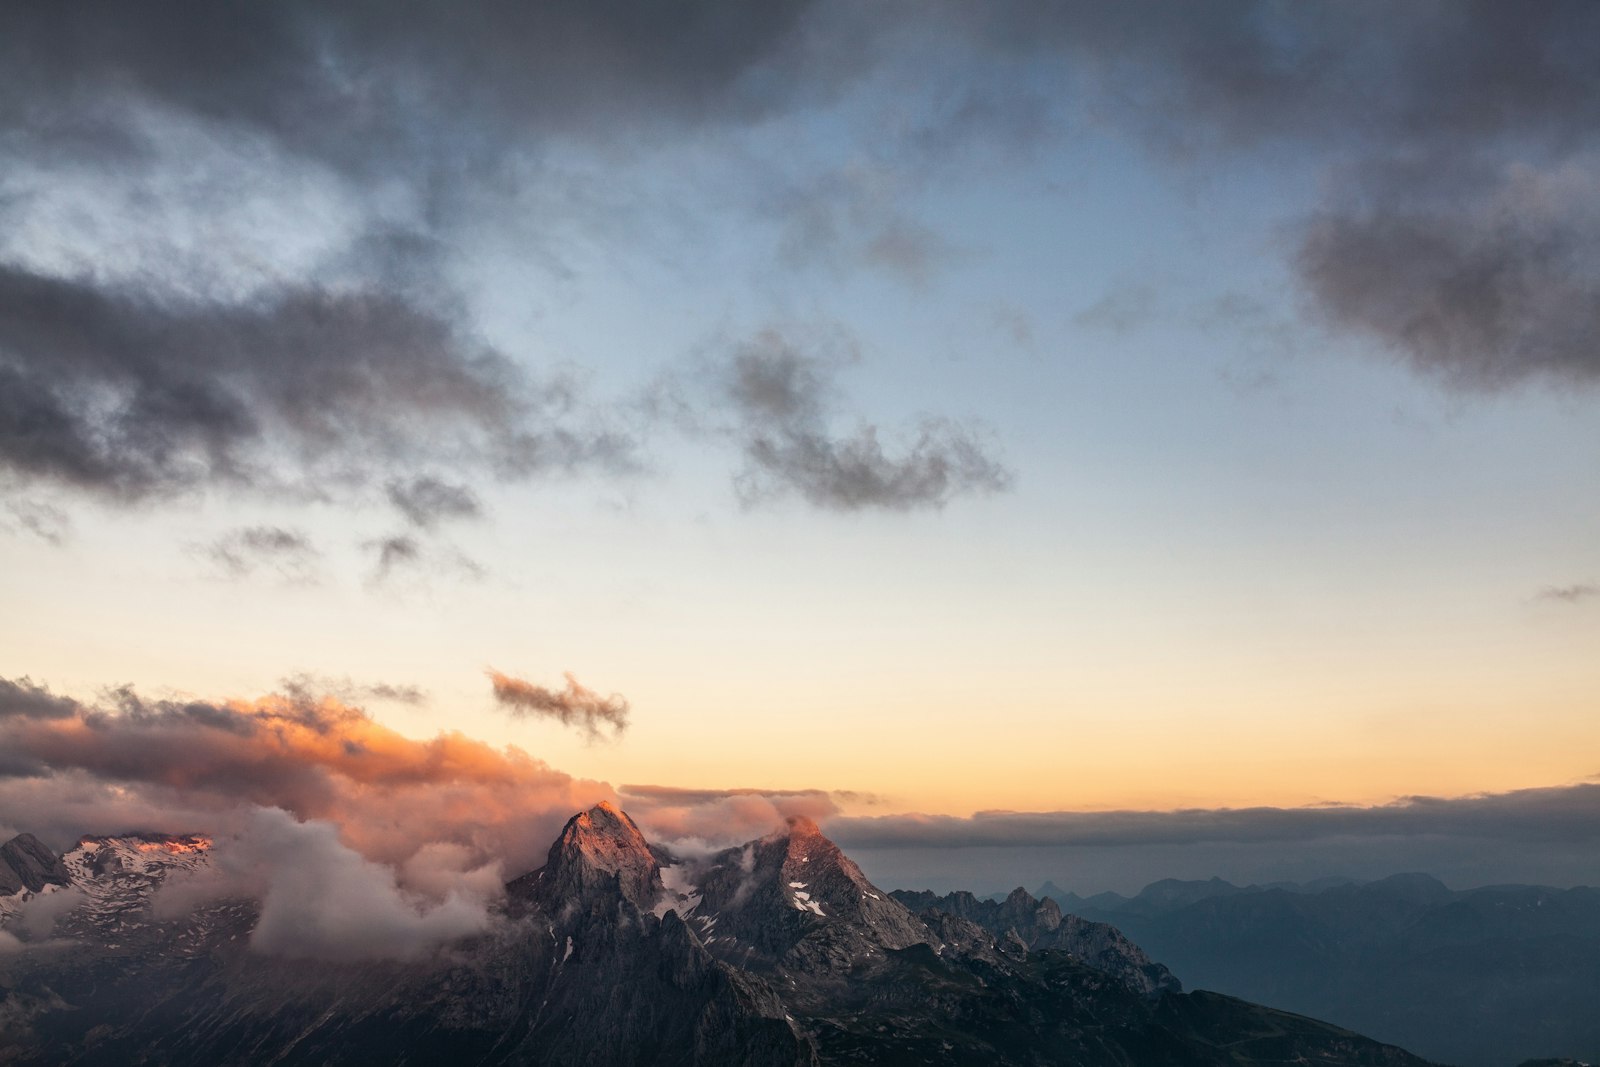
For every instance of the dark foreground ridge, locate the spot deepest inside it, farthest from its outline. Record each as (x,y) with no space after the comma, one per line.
(616,952)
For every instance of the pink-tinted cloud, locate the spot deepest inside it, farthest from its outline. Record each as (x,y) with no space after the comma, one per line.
(720,817)
(179,766)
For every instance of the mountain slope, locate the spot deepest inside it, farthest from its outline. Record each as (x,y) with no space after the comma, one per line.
(779,952)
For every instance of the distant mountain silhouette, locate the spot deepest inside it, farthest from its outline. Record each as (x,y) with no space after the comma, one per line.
(1483,978)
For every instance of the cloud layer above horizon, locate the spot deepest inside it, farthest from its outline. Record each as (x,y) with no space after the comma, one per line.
(455,805)
(138,360)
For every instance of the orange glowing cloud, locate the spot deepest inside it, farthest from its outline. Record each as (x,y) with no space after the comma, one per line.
(177,766)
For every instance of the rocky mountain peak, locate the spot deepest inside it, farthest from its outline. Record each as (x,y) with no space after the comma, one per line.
(802,826)
(27,863)
(597,849)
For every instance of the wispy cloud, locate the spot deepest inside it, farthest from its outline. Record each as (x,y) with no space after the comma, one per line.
(576,705)
(426,501)
(777,399)
(1570,594)
(244,551)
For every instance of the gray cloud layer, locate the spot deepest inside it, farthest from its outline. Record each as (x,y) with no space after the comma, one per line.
(1568,814)
(1458,232)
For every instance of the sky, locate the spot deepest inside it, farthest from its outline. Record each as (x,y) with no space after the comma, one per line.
(1173,425)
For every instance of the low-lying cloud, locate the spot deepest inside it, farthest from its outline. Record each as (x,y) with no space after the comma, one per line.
(721,817)
(323,900)
(1557,814)
(576,705)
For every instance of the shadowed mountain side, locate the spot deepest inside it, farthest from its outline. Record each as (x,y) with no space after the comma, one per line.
(1038,925)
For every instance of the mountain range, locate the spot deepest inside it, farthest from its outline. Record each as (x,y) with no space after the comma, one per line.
(1480,977)
(616,951)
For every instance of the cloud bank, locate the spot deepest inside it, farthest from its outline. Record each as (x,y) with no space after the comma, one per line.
(1568,814)
(184,765)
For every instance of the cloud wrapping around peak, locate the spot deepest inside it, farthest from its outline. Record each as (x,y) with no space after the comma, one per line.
(323,900)
(576,705)
(717,818)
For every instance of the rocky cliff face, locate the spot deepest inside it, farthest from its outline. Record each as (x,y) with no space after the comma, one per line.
(1023,922)
(779,952)
(25,863)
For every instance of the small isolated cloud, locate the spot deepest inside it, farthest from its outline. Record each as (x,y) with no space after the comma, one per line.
(855,216)
(426,501)
(1570,594)
(393,552)
(247,550)
(777,402)
(576,705)
(45,521)
(405,554)
(312,687)
(1121,309)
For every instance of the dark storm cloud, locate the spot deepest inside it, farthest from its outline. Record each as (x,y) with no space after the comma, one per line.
(782,401)
(357,84)
(426,501)
(1454,257)
(1458,231)
(1249,71)
(241,552)
(126,397)
(576,705)
(1485,289)
(1566,814)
